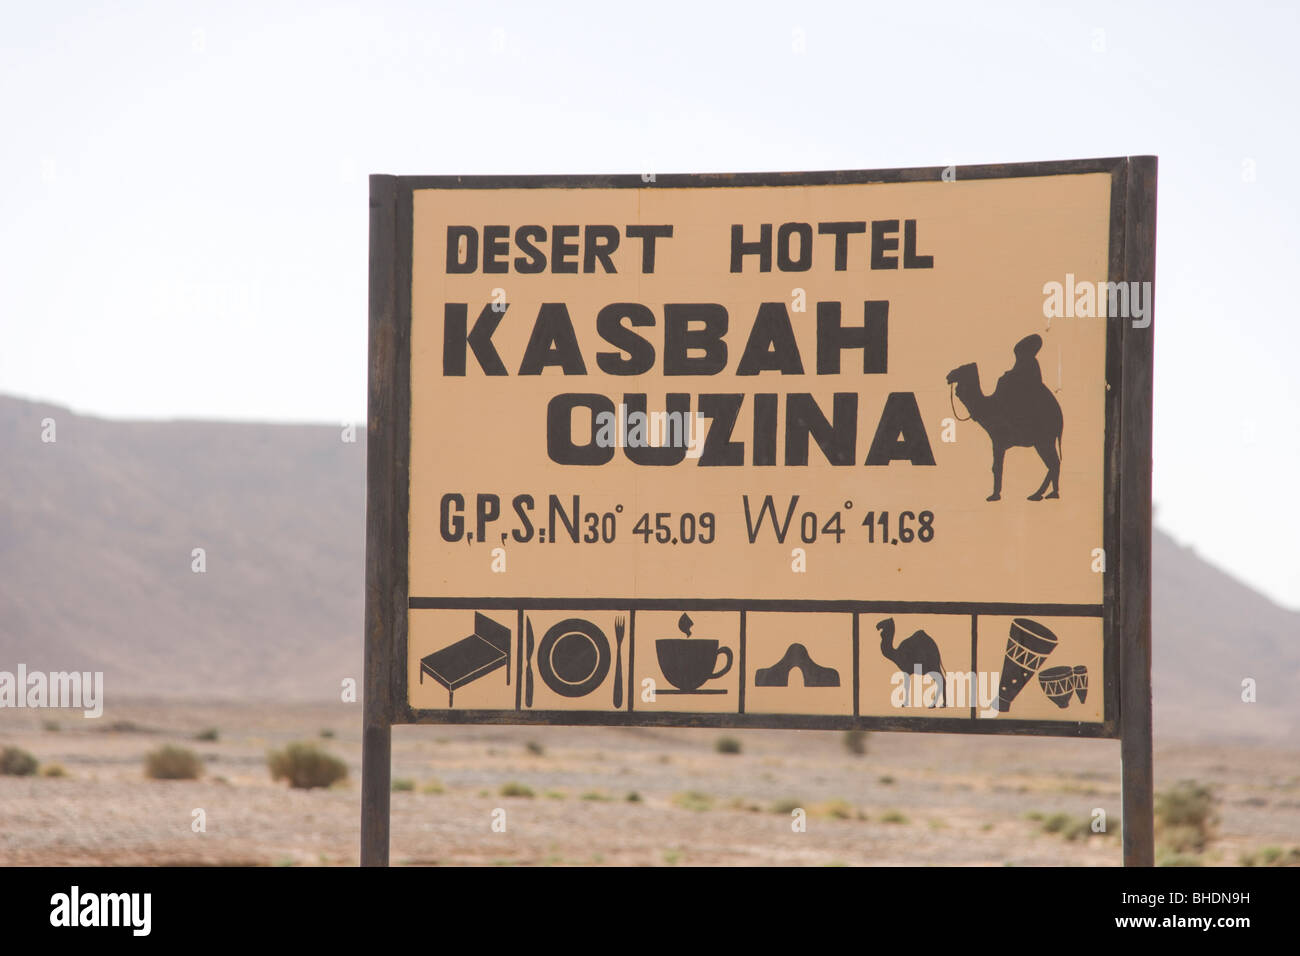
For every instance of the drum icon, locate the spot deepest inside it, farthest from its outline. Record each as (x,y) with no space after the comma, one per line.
(1081,682)
(1027,648)
(1058,685)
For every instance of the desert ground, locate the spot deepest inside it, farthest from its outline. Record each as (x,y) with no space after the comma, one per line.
(611,796)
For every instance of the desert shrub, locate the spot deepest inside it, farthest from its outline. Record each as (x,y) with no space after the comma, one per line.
(1085,828)
(886,781)
(893,816)
(17,763)
(786,806)
(1185,817)
(633,797)
(172,763)
(1072,828)
(1272,856)
(326,733)
(534,748)
(855,742)
(837,810)
(403,785)
(727,745)
(1057,823)
(694,800)
(208,735)
(514,789)
(53,770)
(122,727)
(434,788)
(53,726)
(595,796)
(305,766)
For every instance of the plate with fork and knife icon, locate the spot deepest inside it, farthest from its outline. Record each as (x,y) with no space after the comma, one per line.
(573,658)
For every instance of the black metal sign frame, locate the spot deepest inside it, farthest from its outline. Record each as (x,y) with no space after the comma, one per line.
(1126,607)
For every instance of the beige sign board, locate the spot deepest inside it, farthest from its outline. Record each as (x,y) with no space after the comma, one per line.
(726,450)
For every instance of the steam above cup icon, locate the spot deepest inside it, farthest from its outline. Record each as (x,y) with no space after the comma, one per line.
(690,662)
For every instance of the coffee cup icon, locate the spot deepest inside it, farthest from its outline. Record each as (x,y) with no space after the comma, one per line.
(688,662)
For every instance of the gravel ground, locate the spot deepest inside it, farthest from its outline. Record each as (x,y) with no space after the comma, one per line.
(912,799)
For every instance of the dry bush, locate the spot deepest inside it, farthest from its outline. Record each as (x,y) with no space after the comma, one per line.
(172,763)
(1185,817)
(15,762)
(305,766)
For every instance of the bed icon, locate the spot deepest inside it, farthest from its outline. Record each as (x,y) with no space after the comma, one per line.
(471,657)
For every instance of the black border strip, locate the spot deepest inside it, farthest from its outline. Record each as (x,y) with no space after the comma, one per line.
(1112,486)
(740,688)
(974,656)
(643,718)
(857,664)
(825,177)
(993,609)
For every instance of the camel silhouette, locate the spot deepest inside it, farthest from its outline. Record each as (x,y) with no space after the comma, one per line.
(919,650)
(1022,412)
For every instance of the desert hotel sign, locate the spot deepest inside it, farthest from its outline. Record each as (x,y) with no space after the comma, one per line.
(775,450)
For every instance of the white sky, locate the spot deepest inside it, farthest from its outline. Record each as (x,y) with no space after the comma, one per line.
(183,207)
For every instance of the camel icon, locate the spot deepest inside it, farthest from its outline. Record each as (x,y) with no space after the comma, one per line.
(918,654)
(1022,412)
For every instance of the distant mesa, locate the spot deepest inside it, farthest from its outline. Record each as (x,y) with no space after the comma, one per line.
(280,510)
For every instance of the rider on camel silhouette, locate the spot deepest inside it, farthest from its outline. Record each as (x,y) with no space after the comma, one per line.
(1018,387)
(1022,412)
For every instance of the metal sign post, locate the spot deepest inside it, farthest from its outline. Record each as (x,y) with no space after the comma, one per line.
(1135,525)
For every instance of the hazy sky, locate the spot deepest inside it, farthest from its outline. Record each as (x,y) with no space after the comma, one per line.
(183,195)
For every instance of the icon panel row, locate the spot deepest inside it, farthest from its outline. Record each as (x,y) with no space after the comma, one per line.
(758,662)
